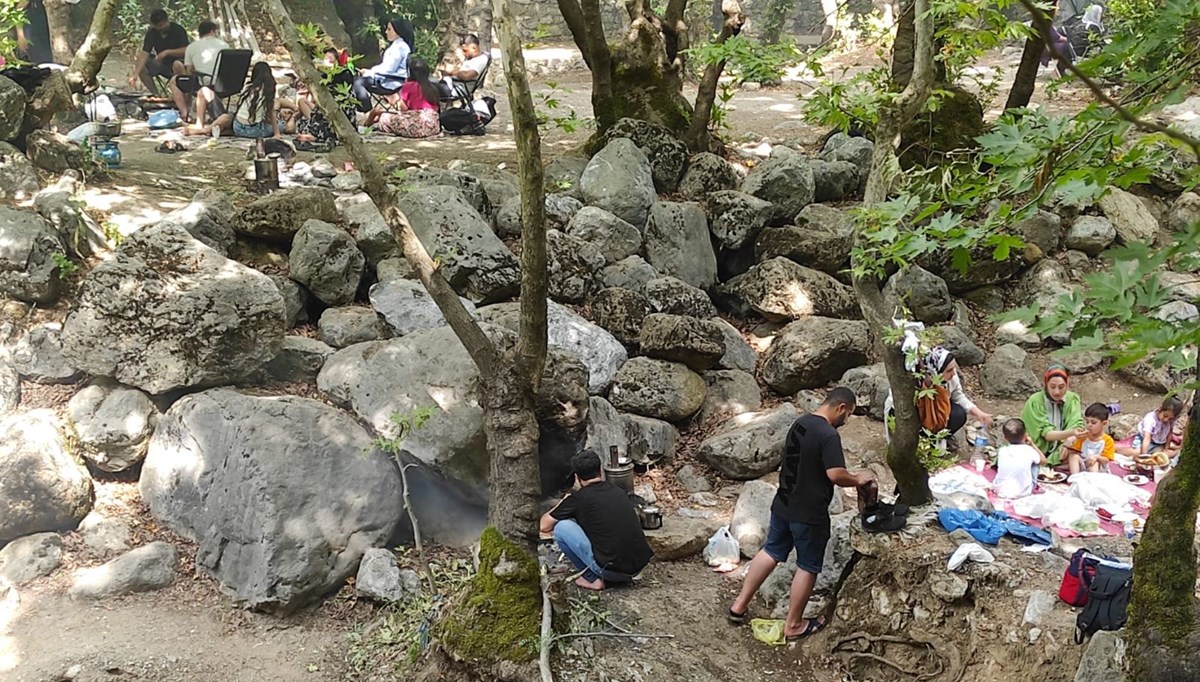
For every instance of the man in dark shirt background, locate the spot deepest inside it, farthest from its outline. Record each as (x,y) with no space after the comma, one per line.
(162,51)
(597,527)
(813,463)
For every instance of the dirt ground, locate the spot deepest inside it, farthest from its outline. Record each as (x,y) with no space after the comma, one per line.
(192,632)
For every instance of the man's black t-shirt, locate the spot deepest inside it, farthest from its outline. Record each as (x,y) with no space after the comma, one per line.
(155,43)
(812,447)
(608,517)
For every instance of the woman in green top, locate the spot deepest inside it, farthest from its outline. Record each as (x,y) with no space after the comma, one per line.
(1054,416)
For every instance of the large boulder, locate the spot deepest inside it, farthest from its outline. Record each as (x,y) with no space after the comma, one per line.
(342,327)
(680,537)
(300,359)
(1091,234)
(666,152)
(1185,212)
(779,289)
(209,218)
(657,388)
(1044,230)
(619,180)
(1007,374)
(168,312)
(406,307)
(559,209)
(28,245)
(38,356)
(599,350)
(752,516)
(843,147)
(472,258)
(834,180)
(278,216)
(821,239)
(371,232)
(325,259)
(736,218)
(749,445)
(145,569)
(870,386)
(281,494)
(295,301)
(621,312)
(730,392)
(923,293)
(982,269)
(42,487)
(604,428)
(113,424)
(1134,223)
(786,181)
(674,296)
(649,440)
(699,344)
(738,353)
(628,273)
(471,187)
(707,173)
(10,389)
(677,243)
(56,153)
(18,178)
(955,340)
(811,352)
(573,266)
(13,100)
(30,557)
(499,184)
(564,172)
(59,205)
(613,237)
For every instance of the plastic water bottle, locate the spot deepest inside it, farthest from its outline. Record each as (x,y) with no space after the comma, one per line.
(1130,531)
(981,442)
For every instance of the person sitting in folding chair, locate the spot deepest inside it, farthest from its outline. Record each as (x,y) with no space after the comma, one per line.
(459,84)
(199,63)
(162,51)
(386,77)
(254,117)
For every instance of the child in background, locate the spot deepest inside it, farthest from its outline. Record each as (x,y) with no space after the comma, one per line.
(1154,433)
(1095,448)
(1016,462)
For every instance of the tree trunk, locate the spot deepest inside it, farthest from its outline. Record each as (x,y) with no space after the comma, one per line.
(1026,79)
(603,103)
(358,18)
(699,139)
(831,29)
(1163,609)
(91,55)
(58,18)
(902,448)
(776,15)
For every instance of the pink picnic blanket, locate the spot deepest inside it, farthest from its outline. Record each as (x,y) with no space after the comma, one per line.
(1106,527)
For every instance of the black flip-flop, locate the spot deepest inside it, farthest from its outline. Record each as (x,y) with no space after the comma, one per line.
(737,618)
(814,626)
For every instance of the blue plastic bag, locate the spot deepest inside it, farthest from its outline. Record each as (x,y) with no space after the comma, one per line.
(164,118)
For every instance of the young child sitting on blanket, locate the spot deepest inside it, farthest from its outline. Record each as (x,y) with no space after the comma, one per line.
(1096,448)
(1155,431)
(1016,462)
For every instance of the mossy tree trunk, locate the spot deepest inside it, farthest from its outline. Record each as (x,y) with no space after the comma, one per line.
(706,95)
(1025,81)
(911,476)
(58,19)
(1163,609)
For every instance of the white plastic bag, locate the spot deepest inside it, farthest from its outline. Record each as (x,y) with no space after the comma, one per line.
(969,550)
(722,549)
(1096,489)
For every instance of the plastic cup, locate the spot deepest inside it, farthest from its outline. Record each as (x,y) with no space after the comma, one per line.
(979,465)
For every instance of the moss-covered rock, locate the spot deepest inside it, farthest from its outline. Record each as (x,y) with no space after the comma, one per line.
(498,617)
(955,124)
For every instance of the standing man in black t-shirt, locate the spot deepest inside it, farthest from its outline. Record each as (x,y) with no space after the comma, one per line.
(162,51)
(597,527)
(813,463)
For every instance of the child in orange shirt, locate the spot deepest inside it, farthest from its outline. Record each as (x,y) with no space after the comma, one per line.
(1095,448)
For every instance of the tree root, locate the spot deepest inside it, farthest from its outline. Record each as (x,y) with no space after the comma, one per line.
(949,660)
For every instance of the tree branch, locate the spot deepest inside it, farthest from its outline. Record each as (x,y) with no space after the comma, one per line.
(603,106)
(1042,22)
(547,628)
(674,13)
(706,94)
(572,14)
(91,55)
(531,335)
(478,345)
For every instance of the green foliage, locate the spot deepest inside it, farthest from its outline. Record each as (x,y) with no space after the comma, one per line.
(1155,44)
(548,116)
(131,22)
(66,267)
(748,60)
(112,233)
(12,15)
(403,426)
(396,640)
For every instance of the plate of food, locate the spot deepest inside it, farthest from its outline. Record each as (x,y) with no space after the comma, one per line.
(1047,476)
(1158,459)
(1136,479)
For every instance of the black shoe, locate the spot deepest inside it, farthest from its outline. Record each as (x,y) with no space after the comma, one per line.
(878,521)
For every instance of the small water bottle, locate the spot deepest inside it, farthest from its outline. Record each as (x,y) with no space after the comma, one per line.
(981,443)
(1130,531)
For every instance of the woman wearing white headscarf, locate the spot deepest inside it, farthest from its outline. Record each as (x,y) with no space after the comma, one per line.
(941,361)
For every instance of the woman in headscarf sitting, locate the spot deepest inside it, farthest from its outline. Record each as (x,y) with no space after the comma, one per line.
(951,406)
(1054,416)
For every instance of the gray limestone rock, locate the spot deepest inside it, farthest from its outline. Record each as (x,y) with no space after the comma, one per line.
(145,569)
(325,259)
(42,487)
(113,424)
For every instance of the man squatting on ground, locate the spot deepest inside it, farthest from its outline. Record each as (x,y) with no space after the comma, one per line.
(813,462)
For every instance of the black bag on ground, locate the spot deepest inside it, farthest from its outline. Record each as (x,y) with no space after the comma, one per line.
(473,121)
(1108,598)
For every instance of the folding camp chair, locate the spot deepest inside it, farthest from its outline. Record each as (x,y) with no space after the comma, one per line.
(462,92)
(228,78)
